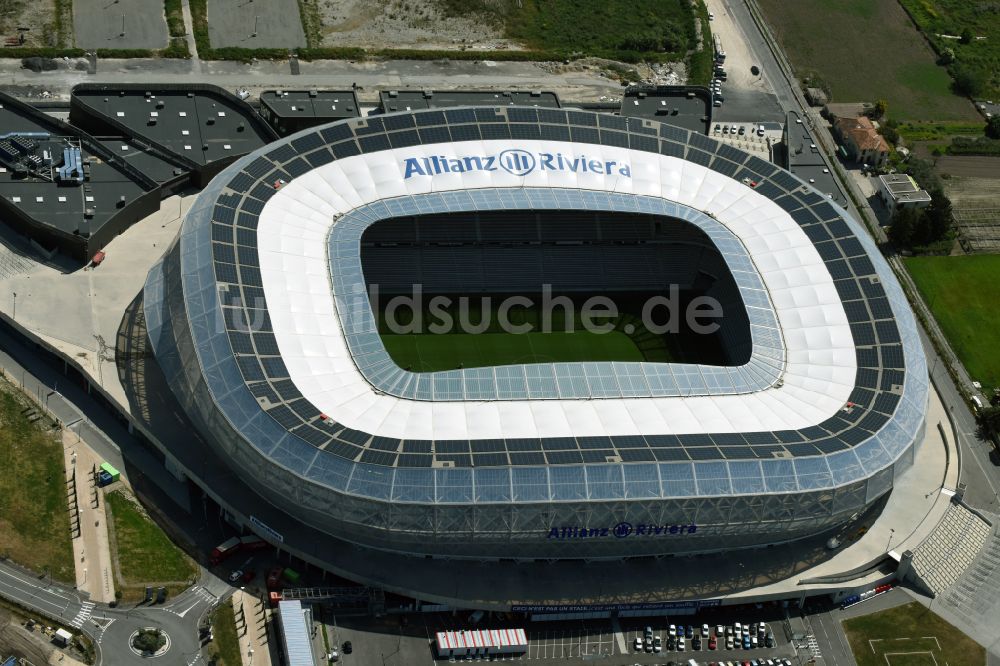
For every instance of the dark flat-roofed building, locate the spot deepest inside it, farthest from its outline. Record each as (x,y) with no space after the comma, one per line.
(63,188)
(289,111)
(203,126)
(802,157)
(689,107)
(391,101)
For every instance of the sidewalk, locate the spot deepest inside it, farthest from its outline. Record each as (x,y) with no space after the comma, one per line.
(251,628)
(91,550)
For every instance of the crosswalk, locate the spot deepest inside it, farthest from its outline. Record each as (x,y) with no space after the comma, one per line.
(813,646)
(85,610)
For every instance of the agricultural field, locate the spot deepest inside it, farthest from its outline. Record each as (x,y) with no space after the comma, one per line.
(962,292)
(866,50)
(910,635)
(34,516)
(944,21)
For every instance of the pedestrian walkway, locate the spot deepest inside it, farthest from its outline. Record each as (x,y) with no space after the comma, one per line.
(943,557)
(91,546)
(252,628)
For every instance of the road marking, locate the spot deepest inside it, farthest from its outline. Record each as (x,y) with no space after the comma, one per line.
(619,636)
(85,610)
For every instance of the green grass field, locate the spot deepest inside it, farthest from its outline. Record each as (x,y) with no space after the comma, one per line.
(867,50)
(145,555)
(618,29)
(430,353)
(910,635)
(951,17)
(34,514)
(963,293)
(225,646)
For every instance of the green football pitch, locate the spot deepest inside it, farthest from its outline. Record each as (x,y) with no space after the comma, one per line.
(432,353)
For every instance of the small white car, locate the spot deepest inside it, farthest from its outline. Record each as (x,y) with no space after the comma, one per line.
(672,631)
(681,646)
(720,631)
(638,644)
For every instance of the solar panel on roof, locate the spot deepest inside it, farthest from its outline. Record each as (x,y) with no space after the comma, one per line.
(866,378)
(274,366)
(887,331)
(647,144)
(342,449)
(724,167)
(247,220)
(673,133)
(611,138)
(336,133)
(370,125)
(345,149)
(305,409)
(429,118)
(522,115)
(240,182)
(560,443)
(452,446)
(703,452)
(225,272)
(417,446)
(413,460)
(830,445)
(760,437)
(867,357)
(252,206)
(398,122)
(374,457)
(892,356)
(672,149)
(698,156)
(285,417)
(670,454)
(318,158)
(258,167)
(465,133)
(299,167)
(847,289)
(525,132)
(489,459)
(374,143)
(281,154)
(495,130)
(784,179)
(223,252)
(404,139)
(563,457)
(802,449)
(584,134)
(856,311)
(527,458)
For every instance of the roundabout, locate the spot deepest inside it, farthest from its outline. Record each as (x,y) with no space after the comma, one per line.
(149,642)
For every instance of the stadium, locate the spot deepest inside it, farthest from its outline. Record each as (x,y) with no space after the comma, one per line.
(793,417)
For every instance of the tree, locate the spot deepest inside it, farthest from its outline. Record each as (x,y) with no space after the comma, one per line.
(968,81)
(966,37)
(939,215)
(902,228)
(890,133)
(989,422)
(880,108)
(993,127)
(947,56)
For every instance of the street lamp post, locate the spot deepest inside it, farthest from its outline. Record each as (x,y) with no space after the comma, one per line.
(256,20)
(888,545)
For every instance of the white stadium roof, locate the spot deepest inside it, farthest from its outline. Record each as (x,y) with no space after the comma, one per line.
(820,364)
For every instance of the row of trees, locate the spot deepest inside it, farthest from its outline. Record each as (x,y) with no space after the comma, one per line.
(913,228)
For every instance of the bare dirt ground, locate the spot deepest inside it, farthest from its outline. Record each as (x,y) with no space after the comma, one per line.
(38,15)
(970,166)
(405,24)
(973,192)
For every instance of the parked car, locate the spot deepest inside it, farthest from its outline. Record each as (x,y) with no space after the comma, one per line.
(689,632)
(720,631)
(638,644)
(681,645)
(696,642)
(753,641)
(746,642)
(769,640)
(729,642)
(743,130)
(705,631)
(672,630)
(657,644)
(712,643)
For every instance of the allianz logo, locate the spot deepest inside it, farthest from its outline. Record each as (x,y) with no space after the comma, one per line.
(514,161)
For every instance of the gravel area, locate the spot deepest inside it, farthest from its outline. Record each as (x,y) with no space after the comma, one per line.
(405,24)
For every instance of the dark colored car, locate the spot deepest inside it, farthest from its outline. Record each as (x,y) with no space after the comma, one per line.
(347,648)
(689,632)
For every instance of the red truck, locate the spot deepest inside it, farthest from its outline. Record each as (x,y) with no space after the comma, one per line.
(235,545)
